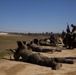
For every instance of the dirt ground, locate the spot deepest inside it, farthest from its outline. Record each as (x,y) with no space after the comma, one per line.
(11,67)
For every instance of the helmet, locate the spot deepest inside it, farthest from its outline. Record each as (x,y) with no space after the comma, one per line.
(72,25)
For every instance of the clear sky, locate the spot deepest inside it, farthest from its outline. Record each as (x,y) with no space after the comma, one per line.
(36,15)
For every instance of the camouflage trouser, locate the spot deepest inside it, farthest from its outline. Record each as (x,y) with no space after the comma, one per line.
(44,61)
(36,58)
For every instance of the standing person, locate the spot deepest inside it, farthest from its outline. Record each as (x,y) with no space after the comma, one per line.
(73,35)
(73,28)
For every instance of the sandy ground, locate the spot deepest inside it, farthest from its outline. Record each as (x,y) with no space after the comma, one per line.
(11,67)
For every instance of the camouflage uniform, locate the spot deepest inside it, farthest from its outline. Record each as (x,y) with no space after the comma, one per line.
(73,35)
(37,58)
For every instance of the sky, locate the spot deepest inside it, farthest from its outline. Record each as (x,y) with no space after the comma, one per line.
(36,16)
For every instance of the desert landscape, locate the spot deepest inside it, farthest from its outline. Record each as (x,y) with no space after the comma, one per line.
(8,66)
(37,37)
